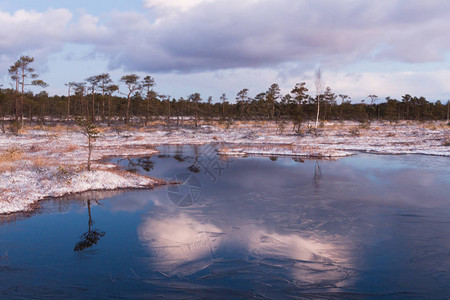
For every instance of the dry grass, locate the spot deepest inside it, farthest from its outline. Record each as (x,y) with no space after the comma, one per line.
(223,125)
(148,128)
(8,167)
(259,123)
(11,155)
(72,147)
(157,123)
(34,127)
(53,136)
(139,138)
(336,126)
(122,128)
(433,125)
(238,123)
(9,158)
(35,148)
(102,130)
(47,128)
(40,162)
(58,128)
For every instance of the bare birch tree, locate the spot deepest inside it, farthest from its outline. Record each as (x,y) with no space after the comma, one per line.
(318,83)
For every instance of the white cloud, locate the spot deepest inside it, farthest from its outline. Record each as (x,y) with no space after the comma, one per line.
(219,34)
(41,34)
(87,29)
(30,31)
(177,5)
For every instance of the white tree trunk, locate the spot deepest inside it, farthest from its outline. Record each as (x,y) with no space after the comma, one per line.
(318,110)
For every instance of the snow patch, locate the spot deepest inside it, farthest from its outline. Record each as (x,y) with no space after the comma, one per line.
(25,187)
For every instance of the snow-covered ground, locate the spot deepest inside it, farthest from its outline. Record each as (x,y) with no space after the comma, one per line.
(288,150)
(50,161)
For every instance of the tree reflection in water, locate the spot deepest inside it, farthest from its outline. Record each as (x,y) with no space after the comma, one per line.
(91,237)
(317,172)
(194,168)
(146,163)
(179,154)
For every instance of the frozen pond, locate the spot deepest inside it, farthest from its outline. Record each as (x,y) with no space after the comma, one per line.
(366,226)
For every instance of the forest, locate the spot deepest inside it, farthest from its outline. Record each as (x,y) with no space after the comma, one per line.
(99,99)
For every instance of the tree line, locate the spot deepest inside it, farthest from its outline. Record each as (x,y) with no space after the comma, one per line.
(100,99)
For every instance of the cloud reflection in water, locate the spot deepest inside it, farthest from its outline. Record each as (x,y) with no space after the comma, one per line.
(181,245)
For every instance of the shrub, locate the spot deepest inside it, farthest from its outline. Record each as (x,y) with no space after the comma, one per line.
(64,175)
(281,125)
(364,124)
(354,131)
(15,127)
(311,130)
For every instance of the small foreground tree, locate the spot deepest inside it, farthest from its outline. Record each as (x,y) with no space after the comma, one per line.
(91,132)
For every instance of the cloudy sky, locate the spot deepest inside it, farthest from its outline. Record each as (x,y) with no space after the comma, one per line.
(384,47)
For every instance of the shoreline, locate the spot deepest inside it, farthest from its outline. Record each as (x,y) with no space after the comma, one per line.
(49,162)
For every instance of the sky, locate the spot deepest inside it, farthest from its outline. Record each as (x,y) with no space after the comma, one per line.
(362,47)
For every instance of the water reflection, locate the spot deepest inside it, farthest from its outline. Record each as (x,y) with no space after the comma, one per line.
(136,164)
(194,168)
(317,172)
(92,236)
(181,245)
(335,239)
(178,156)
(378,226)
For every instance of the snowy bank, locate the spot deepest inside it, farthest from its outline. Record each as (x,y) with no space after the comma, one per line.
(306,152)
(45,161)
(26,187)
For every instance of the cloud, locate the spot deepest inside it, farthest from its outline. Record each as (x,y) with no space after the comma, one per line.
(173,5)
(32,33)
(42,34)
(201,35)
(87,30)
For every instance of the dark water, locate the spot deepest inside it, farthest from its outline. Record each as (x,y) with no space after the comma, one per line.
(361,227)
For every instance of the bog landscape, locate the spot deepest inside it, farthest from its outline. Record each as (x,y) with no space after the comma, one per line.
(112,188)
